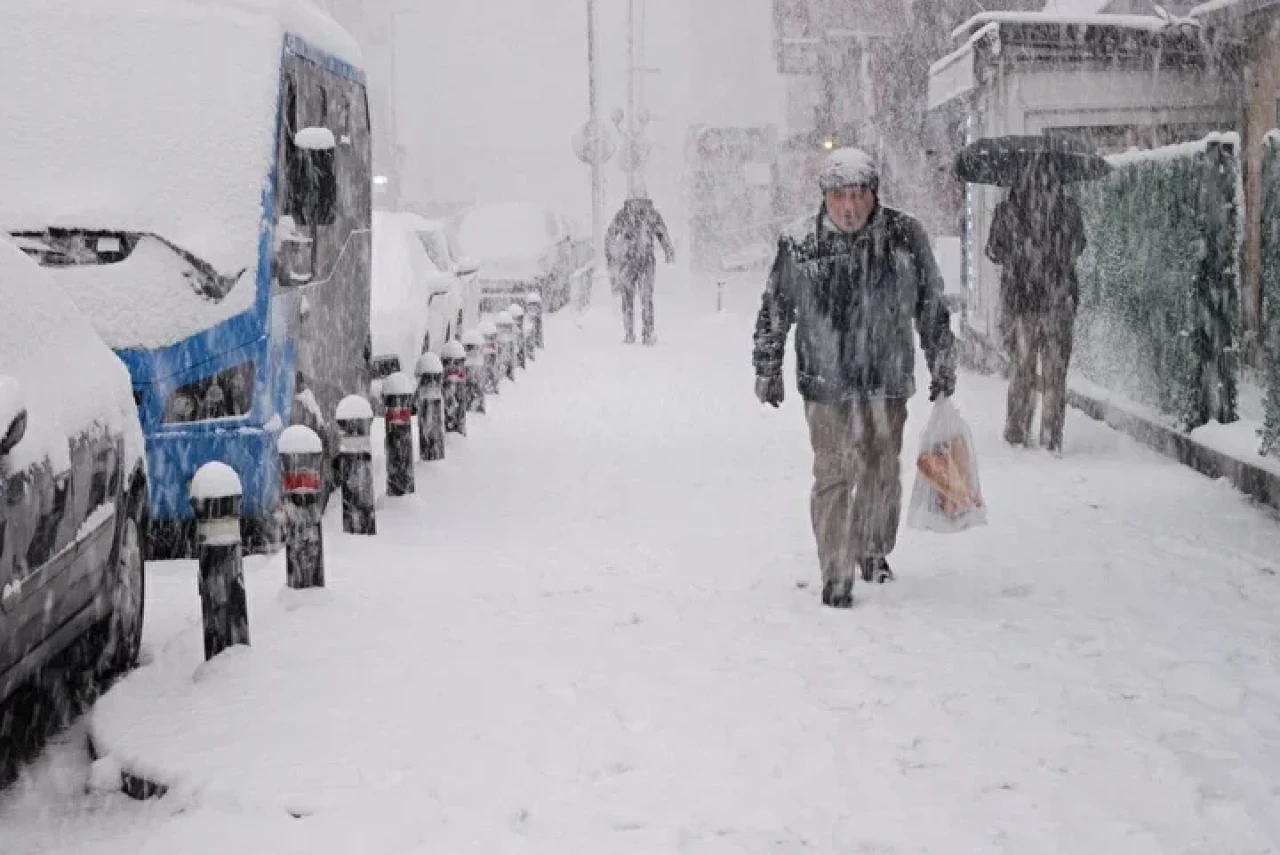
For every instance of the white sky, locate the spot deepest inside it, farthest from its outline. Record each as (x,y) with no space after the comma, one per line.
(492,90)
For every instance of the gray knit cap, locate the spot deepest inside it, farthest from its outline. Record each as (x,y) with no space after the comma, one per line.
(849,167)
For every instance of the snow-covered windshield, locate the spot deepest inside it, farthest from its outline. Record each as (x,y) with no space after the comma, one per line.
(158,121)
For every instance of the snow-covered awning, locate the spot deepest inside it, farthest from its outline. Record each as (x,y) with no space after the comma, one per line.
(1232,8)
(1144,23)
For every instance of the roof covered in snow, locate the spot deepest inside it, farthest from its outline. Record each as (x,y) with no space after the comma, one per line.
(147,115)
(1146,23)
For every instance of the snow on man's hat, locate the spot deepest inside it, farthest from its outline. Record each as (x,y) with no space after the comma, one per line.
(849,167)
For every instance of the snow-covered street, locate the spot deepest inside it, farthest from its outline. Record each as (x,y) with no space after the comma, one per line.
(596,628)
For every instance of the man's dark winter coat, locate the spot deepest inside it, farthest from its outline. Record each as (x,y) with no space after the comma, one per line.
(629,241)
(853,299)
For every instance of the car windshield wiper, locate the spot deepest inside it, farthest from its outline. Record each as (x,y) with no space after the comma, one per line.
(216,285)
(65,247)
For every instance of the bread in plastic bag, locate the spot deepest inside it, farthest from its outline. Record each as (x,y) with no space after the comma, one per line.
(947,496)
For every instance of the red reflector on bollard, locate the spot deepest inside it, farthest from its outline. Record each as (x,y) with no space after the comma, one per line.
(457,375)
(399,416)
(303,481)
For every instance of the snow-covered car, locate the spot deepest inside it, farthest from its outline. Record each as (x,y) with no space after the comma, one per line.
(417,305)
(446,257)
(73,503)
(521,248)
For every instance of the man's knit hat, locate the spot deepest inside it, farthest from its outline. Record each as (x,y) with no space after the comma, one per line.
(849,167)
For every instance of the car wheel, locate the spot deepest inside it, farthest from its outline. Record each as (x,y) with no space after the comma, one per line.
(122,632)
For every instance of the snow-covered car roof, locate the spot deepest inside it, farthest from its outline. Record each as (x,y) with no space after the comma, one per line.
(71,381)
(147,115)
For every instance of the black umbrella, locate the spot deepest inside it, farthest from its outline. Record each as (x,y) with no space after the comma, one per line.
(1004,161)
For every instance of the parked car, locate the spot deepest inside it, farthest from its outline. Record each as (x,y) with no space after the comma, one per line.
(446,257)
(521,248)
(73,484)
(417,305)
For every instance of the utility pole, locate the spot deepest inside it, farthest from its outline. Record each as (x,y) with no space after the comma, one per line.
(632,131)
(595,144)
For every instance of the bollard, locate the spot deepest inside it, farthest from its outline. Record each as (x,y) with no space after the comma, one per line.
(533,302)
(473,344)
(530,354)
(301,459)
(454,357)
(517,328)
(355,465)
(429,402)
(397,397)
(506,345)
(215,498)
(490,332)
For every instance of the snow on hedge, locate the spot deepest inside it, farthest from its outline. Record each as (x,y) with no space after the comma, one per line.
(1177,151)
(70,381)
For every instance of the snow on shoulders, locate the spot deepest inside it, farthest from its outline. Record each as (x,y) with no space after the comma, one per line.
(354,408)
(215,480)
(1178,151)
(299,439)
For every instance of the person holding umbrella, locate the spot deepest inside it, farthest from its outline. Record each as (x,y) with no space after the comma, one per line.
(1037,234)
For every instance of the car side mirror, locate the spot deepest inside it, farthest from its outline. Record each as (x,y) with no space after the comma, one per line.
(318,178)
(295,259)
(466,267)
(13,415)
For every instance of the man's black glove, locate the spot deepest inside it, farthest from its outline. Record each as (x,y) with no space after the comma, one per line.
(770,390)
(944,383)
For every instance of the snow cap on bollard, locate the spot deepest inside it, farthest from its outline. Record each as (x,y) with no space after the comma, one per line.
(533,297)
(354,408)
(454,349)
(397,384)
(428,363)
(516,311)
(504,319)
(215,500)
(488,329)
(215,480)
(301,455)
(473,338)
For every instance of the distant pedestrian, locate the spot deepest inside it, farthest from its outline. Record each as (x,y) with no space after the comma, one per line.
(1037,233)
(852,279)
(632,267)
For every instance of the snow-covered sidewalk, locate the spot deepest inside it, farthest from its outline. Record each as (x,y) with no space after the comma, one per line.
(594,629)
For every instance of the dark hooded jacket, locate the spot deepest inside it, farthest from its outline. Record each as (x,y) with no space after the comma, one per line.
(629,240)
(1036,238)
(853,299)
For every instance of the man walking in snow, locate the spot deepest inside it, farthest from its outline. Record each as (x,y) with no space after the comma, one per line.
(629,252)
(852,279)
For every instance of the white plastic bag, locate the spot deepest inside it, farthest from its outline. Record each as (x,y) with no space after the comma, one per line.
(947,496)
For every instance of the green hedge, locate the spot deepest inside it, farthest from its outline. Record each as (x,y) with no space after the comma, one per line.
(1159,314)
(1270,239)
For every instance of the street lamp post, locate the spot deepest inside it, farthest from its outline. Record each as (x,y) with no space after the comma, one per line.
(595,146)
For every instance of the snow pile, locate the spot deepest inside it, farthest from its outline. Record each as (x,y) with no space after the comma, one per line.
(148,299)
(71,382)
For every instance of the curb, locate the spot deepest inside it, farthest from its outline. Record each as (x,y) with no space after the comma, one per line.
(978,354)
